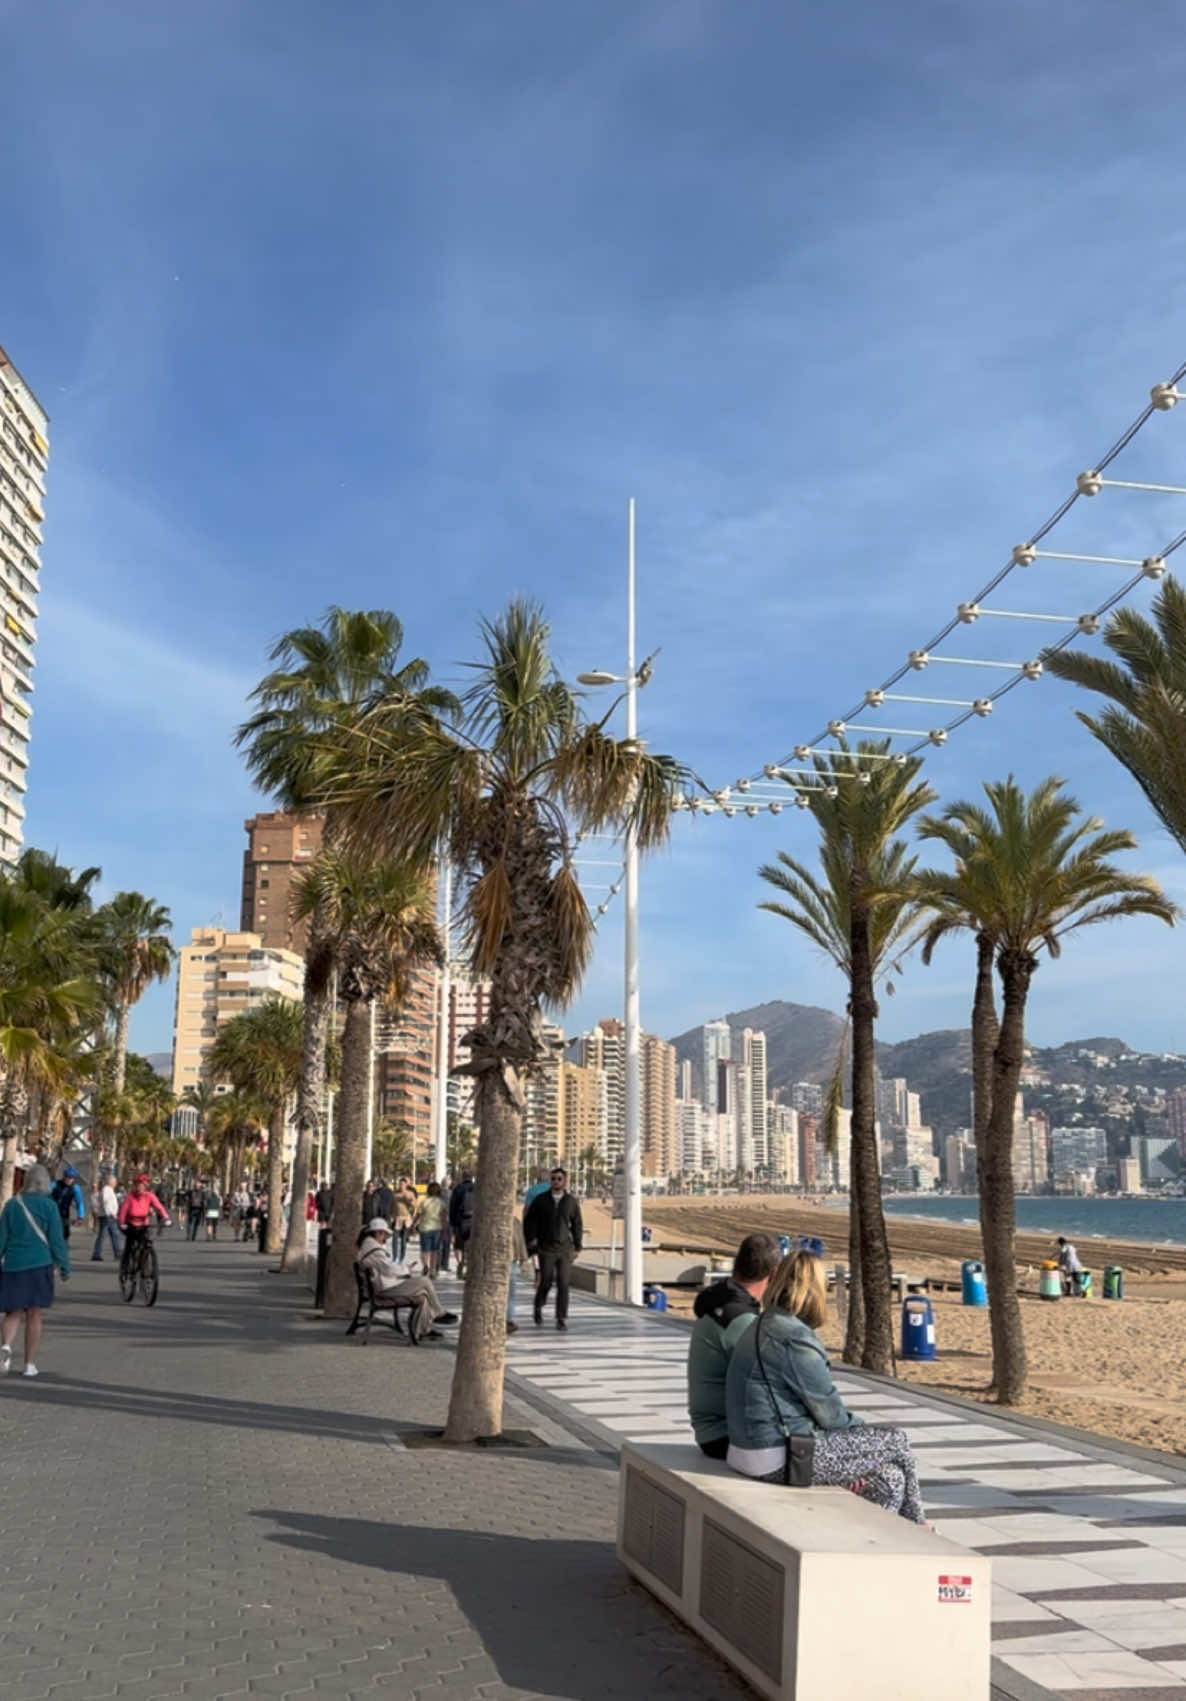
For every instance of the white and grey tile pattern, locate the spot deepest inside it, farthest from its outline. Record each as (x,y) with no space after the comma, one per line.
(1072,1610)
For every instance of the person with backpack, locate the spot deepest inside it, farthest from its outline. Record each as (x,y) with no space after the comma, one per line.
(197,1210)
(724,1311)
(462,1204)
(67,1196)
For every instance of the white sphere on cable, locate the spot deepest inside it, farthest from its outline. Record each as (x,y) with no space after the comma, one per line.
(1164,397)
(982,707)
(1089,484)
(967,612)
(1024,555)
(1031,670)
(1153,566)
(1088,624)
(918,659)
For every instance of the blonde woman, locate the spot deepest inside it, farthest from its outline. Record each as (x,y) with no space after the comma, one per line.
(788,1424)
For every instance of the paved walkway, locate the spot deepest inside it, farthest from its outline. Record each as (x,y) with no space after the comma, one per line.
(212,1499)
(1088,1540)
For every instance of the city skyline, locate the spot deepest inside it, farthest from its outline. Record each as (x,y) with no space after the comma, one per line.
(791,325)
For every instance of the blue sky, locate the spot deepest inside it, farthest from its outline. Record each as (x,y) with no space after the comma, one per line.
(396,306)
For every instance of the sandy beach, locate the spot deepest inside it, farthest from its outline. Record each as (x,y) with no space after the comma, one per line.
(1117,1369)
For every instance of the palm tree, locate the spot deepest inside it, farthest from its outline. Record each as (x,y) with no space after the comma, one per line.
(234,1122)
(377,919)
(822,911)
(503,795)
(1144,724)
(203,1098)
(327,677)
(260,1053)
(134,950)
(40,872)
(1028,871)
(48,997)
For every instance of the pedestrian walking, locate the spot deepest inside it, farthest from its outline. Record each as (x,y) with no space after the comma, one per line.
(31,1244)
(368,1202)
(67,1196)
(520,1261)
(554,1233)
(462,1204)
(196,1212)
(106,1214)
(213,1213)
(325,1204)
(429,1220)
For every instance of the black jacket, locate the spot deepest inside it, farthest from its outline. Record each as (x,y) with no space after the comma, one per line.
(384,1201)
(462,1201)
(724,1301)
(554,1225)
(325,1204)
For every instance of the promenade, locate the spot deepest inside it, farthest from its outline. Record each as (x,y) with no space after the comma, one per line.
(223,1497)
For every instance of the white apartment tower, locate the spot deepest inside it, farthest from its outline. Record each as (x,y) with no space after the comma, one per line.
(24,453)
(752,1115)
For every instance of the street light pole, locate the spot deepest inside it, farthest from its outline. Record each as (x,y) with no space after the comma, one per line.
(632,1156)
(441,1153)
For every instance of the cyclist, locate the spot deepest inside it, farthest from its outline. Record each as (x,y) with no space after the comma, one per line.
(135,1214)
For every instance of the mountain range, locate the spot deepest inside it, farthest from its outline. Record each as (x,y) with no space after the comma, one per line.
(802,1041)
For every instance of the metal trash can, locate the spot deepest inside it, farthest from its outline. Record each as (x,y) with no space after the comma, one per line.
(1049,1282)
(918,1328)
(654,1298)
(1114,1282)
(973,1283)
(1081,1284)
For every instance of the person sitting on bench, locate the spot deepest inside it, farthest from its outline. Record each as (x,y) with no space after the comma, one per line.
(787,1422)
(395,1281)
(724,1312)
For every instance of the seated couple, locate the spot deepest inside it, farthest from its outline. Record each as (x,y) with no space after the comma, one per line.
(759,1385)
(393,1280)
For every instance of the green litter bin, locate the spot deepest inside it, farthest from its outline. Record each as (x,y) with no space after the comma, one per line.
(1049,1282)
(1113,1282)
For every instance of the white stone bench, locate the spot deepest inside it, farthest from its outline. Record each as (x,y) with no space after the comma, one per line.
(810,1593)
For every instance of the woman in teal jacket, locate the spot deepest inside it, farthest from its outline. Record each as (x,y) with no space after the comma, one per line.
(780,1385)
(31,1243)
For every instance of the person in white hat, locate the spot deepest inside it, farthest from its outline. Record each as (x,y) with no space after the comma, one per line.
(395,1281)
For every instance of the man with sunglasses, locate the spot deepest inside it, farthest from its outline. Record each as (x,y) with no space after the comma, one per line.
(554,1233)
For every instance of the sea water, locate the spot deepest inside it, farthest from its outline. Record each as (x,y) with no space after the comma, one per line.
(1160,1222)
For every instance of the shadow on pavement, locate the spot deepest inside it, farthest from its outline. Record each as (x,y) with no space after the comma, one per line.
(558,1618)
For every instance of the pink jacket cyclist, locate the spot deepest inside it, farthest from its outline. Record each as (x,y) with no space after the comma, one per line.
(137,1209)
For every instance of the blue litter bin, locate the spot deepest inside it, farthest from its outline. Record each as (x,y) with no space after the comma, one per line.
(918,1328)
(784,1244)
(654,1298)
(973,1283)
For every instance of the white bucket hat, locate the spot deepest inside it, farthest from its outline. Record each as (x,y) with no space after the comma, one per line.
(378,1225)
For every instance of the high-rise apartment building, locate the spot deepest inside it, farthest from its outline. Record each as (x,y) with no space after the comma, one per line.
(582,1111)
(24,455)
(279,848)
(405,1061)
(660,1146)
(753,1140)
(469,1006)
(604,1048)
(809,1143)
(541,1136)
(220,975)
(697,1136)
(784,1144)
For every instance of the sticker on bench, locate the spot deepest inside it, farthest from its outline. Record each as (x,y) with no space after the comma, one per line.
(955,1591)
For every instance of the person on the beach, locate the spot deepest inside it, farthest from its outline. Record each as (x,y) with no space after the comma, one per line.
(1069,1266)
(724,1312)
(779,1386)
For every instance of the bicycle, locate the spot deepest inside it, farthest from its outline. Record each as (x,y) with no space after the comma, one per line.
(139,1270)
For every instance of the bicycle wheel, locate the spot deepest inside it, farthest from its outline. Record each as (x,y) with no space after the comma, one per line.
(149,1276)
(128,1269)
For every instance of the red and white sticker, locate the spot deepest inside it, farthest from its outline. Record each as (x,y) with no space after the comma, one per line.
(955,1591)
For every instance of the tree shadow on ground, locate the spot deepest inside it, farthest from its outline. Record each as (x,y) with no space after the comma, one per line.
(559,1618)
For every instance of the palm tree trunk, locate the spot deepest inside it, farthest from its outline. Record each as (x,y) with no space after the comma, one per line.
(475,1402)
(997,1211)
(985,1033)
(310,1104)
(350,1153)
(274,1239)
(119,1063)
(876,1269)
(854,1327)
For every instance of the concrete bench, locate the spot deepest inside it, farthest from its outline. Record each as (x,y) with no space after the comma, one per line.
(811,1593)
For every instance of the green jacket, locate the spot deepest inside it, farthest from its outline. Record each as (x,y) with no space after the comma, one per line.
(724,1312)
(21,1247)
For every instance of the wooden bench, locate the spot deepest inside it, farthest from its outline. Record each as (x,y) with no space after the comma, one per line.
(809,1593)
(373,1304)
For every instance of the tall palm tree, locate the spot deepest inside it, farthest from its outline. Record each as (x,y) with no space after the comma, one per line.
(40,871)
(48,996)
(504,795)
(260,1053)
(325,680)
(378,918)
(821,910)
(1144,724)
(234,1123)
(203,1098)
(134,950)
(1028,871)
